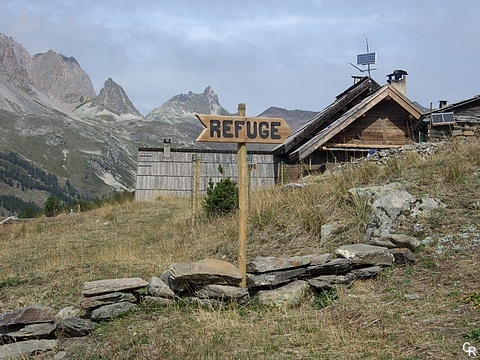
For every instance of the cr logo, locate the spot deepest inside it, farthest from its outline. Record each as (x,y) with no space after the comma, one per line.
(470,350)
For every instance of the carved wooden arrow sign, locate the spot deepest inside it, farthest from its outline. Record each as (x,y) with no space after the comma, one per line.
(241,129)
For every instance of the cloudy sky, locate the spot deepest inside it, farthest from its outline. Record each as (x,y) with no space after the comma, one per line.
(293,54)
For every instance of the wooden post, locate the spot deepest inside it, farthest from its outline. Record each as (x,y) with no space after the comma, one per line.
(242,204)
(195,188)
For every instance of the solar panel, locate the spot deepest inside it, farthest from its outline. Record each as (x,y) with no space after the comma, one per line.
(366,59)
(446,118)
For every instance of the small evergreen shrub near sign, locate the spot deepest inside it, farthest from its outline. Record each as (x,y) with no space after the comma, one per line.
(53,206)
(222,197)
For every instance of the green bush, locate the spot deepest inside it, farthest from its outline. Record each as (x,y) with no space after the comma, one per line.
(222,198)
(53,206)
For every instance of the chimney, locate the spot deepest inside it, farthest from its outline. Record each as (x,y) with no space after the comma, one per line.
(166,148)
(356,79)
(442,103)
(398,79)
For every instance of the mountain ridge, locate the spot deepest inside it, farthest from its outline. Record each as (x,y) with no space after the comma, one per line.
(51,115)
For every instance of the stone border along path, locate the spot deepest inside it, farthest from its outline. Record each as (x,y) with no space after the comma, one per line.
(270,281)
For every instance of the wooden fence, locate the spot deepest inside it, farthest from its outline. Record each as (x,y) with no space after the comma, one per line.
(181,172)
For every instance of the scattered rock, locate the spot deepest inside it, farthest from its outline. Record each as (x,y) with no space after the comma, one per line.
(403,256)
(411,296)
(327,230)
(157,287)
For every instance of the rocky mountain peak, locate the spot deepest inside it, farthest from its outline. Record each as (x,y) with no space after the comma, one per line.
(13,58)
(188,105)
(114,99)
(61,78)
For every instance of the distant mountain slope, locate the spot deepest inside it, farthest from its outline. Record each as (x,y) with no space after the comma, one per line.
(294,118)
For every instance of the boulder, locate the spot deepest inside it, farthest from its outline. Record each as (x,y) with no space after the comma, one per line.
(189,276)
(26,348)
(386,209)
(290,294)
(100,287)
(157,287)
(366,254)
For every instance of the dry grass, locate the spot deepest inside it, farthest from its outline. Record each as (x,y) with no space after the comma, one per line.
(47,260)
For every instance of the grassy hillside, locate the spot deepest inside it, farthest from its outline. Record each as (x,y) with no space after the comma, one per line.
(47,260)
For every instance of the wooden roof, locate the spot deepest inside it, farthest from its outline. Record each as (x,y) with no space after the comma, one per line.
(344,101)
(387,92)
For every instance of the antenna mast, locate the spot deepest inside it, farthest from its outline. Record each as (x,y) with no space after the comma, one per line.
(366,60)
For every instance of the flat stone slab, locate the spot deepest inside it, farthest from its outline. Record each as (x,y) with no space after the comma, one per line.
(31,331)
(367,272)
(27,315)
(327,282)
(26,348)
(366,254)
(100,287)
(274,278)
(267,264)
(392,241)
(183,276)
(222,292)
(331,267)
(107,299)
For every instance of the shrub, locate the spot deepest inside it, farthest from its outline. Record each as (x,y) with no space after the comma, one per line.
(222,198)
(53,206)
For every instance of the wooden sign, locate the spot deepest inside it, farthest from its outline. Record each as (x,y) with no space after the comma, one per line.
(241,129)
